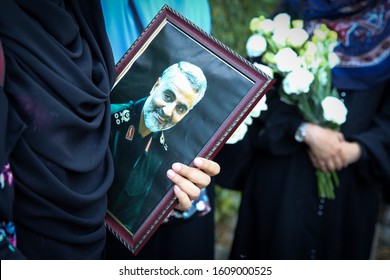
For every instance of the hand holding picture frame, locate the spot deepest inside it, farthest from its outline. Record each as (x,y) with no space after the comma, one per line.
(179,94)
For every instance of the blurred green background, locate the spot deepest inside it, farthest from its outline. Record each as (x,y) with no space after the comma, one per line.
(231,18)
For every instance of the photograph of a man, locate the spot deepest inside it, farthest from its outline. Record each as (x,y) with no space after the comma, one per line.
(137,139)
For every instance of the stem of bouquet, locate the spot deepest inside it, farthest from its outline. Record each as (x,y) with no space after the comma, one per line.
(306,109)
(271,45)
(326,181)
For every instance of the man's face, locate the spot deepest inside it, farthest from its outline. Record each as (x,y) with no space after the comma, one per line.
(169,101)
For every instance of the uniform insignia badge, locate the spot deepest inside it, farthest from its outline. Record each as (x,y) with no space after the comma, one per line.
(130,133)
(121,117)
(162,141)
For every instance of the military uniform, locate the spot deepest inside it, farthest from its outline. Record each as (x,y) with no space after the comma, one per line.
(136,162)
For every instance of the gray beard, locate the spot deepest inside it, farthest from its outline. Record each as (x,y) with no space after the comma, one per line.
(151,123)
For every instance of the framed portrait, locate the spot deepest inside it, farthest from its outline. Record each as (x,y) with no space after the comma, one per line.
(179,94)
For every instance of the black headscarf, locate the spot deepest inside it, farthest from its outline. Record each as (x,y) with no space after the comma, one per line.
(60,71)
(3,109)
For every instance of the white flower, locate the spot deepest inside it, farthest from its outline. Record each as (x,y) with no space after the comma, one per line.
(266,69)
(281,26)
(267,26)
(319,35)
(279,37)
(256,45)
(242,129)
(309,56)
(254,25)
(334,110)
(287,60)
(298,81)
(313,63)
(297,23)
(255,113)
(296,37)
(282,21)
(311,48)
(238,134)
(333,59)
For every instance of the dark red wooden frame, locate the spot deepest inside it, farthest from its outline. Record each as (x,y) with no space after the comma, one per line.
(261,84)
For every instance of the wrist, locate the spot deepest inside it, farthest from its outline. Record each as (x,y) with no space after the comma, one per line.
(354,152)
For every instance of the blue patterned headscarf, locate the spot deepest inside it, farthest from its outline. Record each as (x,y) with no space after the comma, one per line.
(364,37)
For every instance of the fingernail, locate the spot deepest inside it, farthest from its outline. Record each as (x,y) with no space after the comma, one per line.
(198,161)
(176,167)
(171,173)
(177,188)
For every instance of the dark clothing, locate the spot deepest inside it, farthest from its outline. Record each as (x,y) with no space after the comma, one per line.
(7,228)
(58,82)
(136,160)
(281,216)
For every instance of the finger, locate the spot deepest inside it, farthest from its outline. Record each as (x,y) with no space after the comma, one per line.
(330,165)
(339,164)
(208,166)
(185,185)
(322,166)
(313,160)
(340,136)
(192,174)
(184,202)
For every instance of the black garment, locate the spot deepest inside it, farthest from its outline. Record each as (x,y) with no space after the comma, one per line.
(60,71)
(3,110)
(7,250)
(281,216)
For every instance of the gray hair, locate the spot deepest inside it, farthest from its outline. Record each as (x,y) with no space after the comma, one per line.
(193,73)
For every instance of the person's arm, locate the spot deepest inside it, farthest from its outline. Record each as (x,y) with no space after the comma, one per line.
(352,152)
(190,180)
(374,160)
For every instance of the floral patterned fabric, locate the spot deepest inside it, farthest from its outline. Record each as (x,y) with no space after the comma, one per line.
(7,229)
(364,36)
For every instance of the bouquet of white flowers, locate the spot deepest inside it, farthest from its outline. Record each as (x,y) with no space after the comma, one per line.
(304,62)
